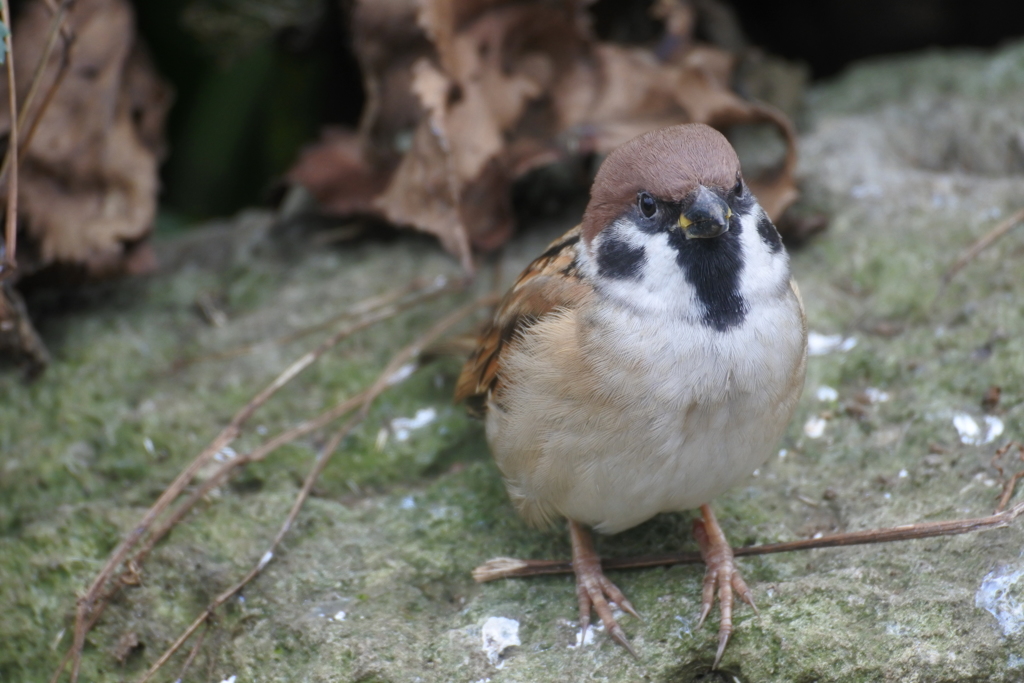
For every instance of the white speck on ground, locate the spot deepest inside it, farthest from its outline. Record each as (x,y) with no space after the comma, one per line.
(584,640)
(827,394)
(893,629)
(876,395)
(339,616)
(408,503)
(499,634)
(685,626)
(401,426)
(970,431)
(820,344)
(402,373)
(999,594)
(225,454)
(814,428)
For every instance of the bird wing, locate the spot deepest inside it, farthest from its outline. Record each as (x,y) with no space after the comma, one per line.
(552,282)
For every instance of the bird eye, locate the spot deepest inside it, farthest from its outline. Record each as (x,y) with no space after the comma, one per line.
(738,189)
(647,205)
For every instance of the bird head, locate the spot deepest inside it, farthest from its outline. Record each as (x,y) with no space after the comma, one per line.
(672,225)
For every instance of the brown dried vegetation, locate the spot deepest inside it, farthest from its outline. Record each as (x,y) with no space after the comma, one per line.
(89,179)
(465,96)
(91,139)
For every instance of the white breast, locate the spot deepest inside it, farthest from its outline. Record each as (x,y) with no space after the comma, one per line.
(613,413)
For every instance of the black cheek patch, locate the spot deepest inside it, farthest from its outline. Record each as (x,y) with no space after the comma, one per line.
(619,260)
(768,233)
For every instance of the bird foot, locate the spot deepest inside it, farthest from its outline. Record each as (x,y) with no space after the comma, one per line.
(594,590)
(721,573)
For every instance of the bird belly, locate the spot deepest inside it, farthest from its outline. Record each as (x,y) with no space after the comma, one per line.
(608,421)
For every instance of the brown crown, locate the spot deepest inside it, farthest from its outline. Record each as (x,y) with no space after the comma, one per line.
(669,163)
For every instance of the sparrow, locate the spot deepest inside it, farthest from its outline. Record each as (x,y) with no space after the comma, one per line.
(647,361)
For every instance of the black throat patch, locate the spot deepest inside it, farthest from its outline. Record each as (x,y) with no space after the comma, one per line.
(713,267)
(619,259)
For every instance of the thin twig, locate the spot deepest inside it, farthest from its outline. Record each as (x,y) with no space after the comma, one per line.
(215,480)
(983,243)
(398,299)
(15,147)
(192,654)
(507,567)
(384,381)
(1010,484)
(37,76)
(53,7)
(62,70)
(11,228)
(56,24)
(1008,489)
(87,603)
(218,477)
(322,457)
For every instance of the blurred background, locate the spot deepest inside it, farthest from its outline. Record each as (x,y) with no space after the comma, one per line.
(255,80)
(150,117)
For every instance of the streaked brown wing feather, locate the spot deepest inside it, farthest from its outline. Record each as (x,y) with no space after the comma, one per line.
(550,283)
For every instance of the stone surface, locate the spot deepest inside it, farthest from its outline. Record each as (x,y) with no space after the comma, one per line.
(913,158)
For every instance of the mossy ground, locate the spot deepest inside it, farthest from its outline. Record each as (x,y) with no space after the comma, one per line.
(393,531)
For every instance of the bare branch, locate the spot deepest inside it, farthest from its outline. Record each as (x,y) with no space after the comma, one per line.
(1009,484)
(983,243)
(506,567)
(94,600)
(11,229)
(383,382)
(56,25)
(192,654)
(321,460)
(399,299)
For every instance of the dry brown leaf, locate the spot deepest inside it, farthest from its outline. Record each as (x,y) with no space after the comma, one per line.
(465,96)
(337,172)
(642,94)
(89,182)
(388,40)
(422,194)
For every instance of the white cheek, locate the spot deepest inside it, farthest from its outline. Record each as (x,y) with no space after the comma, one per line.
(661,286)
(764,274)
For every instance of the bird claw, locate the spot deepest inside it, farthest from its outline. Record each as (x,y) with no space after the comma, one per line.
(722,574)
(595,592)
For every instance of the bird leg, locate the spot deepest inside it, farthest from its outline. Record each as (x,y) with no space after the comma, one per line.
(593,589)
(721,570)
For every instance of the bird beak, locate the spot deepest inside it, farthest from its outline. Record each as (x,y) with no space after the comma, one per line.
(708,217)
